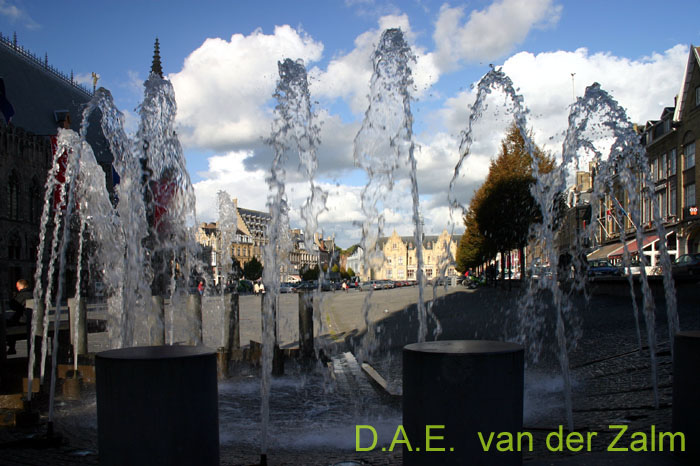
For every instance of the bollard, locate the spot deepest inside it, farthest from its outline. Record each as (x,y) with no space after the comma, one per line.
(158,313)
(234,331)
(277,353)
(194,310)
(79,312)
(306,325)
(454,390)
(157,405)
(686,404)
(72,385)
(3,335)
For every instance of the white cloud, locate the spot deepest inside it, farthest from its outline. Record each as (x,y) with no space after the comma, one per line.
(644,87)
(224,86)
(347,76)
(488,34)
(16,14)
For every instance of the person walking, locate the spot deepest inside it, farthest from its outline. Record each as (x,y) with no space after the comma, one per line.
(345,286)
(256,288)
(200,288)
(18,304)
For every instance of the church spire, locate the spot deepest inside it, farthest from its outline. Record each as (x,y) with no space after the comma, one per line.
(156,66)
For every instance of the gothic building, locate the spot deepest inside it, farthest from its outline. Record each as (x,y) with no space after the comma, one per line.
(35,100)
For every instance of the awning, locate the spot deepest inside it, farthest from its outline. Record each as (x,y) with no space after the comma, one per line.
(603,251)
(632,246)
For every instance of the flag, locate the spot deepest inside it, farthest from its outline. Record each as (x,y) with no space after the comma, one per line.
(5,106)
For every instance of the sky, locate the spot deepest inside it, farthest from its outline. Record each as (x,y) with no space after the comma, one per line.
(221,57)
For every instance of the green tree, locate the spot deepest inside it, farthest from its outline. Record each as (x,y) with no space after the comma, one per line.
(310,273)
(351,272)
(252,270)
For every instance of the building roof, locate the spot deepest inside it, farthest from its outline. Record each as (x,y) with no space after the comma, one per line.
(40,96)
(410,243)
(255,213)
(693,60)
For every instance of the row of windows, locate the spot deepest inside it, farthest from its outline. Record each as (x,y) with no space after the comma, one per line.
(665,165)
(13,194)
(667,201)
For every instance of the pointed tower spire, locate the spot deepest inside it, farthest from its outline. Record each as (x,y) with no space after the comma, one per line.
(156,66)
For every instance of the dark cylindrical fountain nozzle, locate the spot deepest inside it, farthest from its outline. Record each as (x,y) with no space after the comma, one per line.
(454,390)
(157,405)
(686,404)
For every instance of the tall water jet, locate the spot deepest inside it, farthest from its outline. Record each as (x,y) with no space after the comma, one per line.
(544,192)
(154,215)
(622,170)
(381,145)
(293,128)
(228,226)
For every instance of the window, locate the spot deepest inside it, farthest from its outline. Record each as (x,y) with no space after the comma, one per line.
(672,200)
(388,273)
(689,156)
(653,168)
(689,195)
(13,196)
(412,274)
(662,167)
(394,246)
(661,200)
(672,162)
(14,247)
(400,260)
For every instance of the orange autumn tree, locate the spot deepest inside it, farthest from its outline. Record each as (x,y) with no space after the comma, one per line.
(502,209)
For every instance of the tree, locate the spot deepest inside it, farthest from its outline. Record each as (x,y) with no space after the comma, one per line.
(252,270)
(503,208)
(351,272)
(310,273)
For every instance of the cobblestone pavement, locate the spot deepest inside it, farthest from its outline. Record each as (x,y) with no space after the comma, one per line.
(611,380)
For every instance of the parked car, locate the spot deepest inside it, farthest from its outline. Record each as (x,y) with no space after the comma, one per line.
(306,285)
(371,285)
(287,288)
(603,267)
(686,265)
(635,267)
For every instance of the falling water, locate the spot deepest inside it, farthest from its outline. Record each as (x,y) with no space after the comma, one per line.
(383,141)
(118,232)
(623,167)
(544,192)
(292,129)
(228,226)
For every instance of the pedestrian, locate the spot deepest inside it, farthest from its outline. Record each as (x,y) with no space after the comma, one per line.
(345,286)
(18,304)
(262,288)
(256,288)
(200,288)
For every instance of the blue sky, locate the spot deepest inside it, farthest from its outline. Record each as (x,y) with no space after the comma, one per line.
(221,57)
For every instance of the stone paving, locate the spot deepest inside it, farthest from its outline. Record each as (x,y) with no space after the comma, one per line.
(612,385)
